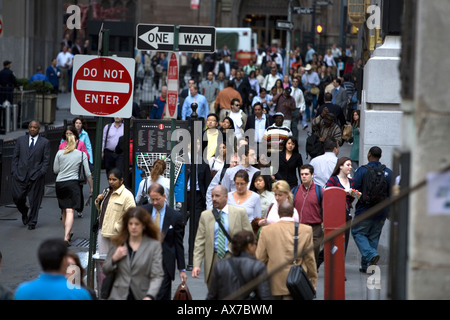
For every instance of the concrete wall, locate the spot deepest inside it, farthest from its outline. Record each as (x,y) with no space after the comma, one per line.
(429,258)
(381,117)
(32,31)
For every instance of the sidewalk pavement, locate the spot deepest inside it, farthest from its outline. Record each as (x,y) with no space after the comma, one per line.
(16,270)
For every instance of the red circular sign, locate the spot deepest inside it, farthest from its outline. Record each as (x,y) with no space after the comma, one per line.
(102,86)
(161,126)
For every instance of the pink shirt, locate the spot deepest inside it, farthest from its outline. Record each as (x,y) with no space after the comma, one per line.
(81,146)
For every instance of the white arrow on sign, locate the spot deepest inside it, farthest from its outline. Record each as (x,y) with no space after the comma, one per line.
(155,38)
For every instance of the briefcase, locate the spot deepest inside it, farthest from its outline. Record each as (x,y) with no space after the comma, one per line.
(182,292)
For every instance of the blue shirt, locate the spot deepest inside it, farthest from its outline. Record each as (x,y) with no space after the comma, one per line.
(38,77)
(202,110)
(50,287)
(87,142)
(357,184)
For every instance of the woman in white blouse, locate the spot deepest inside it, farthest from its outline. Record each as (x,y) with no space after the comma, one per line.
(282,193)
(217,162)
(243,197)
(156,176)
(262,185)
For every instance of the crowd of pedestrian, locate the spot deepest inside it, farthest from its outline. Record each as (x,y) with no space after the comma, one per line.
(246,208)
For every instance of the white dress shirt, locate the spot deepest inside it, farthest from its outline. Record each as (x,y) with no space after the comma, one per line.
(323,167)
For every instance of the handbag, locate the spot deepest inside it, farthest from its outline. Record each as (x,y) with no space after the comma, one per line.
(182,292)
(81,173)
(297,281)
(315,91)
(107,285)
(347,132)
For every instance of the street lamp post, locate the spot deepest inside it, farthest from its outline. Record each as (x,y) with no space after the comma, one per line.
(192,186)
(288,39)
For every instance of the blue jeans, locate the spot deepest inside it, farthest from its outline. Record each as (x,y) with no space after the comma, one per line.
(310,114)
(304,124)
(367,235)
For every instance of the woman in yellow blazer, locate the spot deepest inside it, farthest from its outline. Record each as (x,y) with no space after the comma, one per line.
(112,204)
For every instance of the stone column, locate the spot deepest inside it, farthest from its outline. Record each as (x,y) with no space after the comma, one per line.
(429,245)
(380,113)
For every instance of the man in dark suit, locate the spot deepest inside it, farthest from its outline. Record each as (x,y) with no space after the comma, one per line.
(339,95)
(203,179)
(333,108)
(259,122)
(29,166)
(172,230)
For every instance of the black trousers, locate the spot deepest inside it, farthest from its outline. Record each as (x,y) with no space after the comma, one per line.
(165,291)
(34,190)
(194,218)
(320,259)
(113,160)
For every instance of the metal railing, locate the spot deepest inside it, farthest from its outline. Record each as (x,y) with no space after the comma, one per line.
(247,288)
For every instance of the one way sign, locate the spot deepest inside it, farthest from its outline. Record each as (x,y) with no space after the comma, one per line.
(162,38)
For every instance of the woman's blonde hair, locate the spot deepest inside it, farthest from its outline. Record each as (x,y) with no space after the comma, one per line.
(71,144)
(283,186)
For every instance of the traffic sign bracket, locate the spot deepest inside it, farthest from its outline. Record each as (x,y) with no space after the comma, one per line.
(176,38)
(300,10)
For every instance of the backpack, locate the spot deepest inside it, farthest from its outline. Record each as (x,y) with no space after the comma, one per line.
(314,147)
(318,193)
(374,186)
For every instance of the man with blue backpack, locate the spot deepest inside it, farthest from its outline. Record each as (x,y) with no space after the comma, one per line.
(374,182)
(308,202)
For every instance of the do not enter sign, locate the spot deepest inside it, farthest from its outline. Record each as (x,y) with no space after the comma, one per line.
(102,86)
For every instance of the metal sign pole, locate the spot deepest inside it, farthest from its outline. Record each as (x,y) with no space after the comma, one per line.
(96,176)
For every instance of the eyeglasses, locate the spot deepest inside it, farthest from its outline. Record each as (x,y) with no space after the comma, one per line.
(237,105)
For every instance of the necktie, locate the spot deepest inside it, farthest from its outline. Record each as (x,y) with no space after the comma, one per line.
(221,242)
(157,218)
(32,143)
(334,95)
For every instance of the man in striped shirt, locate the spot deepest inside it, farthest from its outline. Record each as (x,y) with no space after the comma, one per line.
(276,134)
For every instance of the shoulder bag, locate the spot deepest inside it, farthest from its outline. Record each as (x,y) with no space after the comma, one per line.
(81,173)
(315,91)
(107,285)
(297,281)
(217,217)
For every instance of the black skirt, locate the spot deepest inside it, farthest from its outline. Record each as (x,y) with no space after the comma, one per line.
(69,194)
